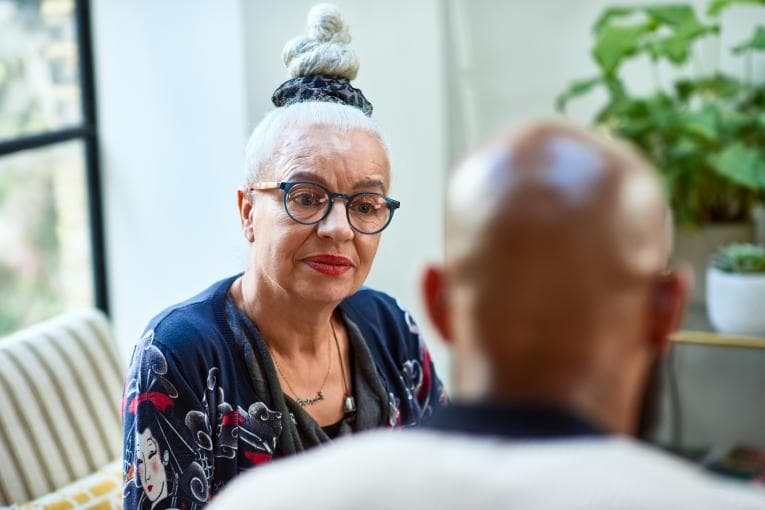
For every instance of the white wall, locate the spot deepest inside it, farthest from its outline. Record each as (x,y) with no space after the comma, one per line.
(170,85)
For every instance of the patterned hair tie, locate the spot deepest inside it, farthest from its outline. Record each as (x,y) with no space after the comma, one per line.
(329,89)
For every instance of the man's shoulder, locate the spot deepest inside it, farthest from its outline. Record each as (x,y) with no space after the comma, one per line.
(427,469)
(629,472)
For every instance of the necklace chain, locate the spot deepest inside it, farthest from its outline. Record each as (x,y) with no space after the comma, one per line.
(340,358)
(303,402)
(319,395)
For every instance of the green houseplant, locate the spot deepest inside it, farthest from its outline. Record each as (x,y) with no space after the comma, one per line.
(740,258)
(736,290)
(705,133)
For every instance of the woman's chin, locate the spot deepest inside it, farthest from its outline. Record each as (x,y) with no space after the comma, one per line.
(327,292)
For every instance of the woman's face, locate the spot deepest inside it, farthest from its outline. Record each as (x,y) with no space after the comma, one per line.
(288,257)
(151,471)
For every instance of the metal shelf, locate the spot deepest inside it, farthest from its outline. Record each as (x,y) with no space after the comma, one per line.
(698,330)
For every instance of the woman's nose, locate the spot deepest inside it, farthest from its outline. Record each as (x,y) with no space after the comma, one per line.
(336,225)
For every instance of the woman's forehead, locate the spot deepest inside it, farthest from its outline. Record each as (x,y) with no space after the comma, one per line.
(326,154)
(358,182)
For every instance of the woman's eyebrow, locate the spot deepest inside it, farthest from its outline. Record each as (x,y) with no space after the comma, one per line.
(370,183)
(313,177)
(307,176)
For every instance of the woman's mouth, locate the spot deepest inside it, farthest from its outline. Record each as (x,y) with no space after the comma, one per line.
(331,265)
(149,488)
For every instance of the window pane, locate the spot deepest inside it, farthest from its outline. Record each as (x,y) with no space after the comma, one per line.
(45,259)
(39,74)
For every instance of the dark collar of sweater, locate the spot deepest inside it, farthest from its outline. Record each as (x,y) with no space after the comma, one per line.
(511,420)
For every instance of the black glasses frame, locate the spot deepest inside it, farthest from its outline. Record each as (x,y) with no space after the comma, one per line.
(287,186)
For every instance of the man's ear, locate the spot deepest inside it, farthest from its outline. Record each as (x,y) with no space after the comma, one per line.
(244,205)
(670,298)
(435,294)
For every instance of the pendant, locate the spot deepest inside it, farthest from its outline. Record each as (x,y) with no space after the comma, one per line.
(349,404)
(303,402)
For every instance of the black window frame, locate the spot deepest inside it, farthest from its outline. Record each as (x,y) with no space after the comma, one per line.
(87,133)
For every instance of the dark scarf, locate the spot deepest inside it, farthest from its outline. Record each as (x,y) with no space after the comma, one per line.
(299,430)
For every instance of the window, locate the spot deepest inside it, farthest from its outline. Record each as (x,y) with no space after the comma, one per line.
(51,235)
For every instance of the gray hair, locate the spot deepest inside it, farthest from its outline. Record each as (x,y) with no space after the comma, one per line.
(267,138)
(324,50)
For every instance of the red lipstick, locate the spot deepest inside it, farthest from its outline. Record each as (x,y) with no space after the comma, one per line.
(330,265)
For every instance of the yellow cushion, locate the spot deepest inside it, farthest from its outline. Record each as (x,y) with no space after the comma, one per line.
(99,491)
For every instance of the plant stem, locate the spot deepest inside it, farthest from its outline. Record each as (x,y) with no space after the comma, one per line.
(717,53)
(655,73)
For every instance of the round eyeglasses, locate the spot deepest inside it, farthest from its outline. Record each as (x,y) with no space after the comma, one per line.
(309,203)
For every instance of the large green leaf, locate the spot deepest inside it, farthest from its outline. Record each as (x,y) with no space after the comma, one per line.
(661,112)
(717,6)
(686,29)
(574,90)
(732,122)
(757,42)
(610,13)
(675,48)
(684,148)
(703,123)
(674,15)
(719,85)
(741,164)
(615,43)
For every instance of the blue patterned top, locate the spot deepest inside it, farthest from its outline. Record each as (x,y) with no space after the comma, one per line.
(202,402)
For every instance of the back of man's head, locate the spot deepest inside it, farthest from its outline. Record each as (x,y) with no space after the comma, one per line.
(554,287)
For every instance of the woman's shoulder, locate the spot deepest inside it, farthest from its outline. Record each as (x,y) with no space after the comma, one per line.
(377,313)
(367,301)
(191,325)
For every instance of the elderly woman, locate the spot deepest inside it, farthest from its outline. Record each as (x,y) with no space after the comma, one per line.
(293,352)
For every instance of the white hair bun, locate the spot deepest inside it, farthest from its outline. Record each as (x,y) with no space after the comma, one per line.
(325,49)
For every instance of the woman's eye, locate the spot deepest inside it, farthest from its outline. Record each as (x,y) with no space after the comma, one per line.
(306,199)
(365,207)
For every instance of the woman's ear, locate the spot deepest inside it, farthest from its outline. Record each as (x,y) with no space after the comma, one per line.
(434,292)
(245,209)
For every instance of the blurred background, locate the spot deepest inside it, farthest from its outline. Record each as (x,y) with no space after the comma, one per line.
(123,126)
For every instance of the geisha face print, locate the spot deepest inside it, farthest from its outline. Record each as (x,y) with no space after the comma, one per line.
(151,466)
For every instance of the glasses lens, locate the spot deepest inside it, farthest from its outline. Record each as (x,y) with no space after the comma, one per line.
(368,212)
(307,203)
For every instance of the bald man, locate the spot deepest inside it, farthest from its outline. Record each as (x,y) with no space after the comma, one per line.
(558,305)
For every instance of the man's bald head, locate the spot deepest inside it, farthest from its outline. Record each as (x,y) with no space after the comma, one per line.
(556,188)
(555,243)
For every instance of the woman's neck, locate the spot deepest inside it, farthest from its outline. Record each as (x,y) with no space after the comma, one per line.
(290,328)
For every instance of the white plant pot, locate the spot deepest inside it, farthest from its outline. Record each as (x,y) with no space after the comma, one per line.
(695,248)
(736,302)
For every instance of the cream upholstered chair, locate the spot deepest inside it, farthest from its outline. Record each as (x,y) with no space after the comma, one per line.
(60,389)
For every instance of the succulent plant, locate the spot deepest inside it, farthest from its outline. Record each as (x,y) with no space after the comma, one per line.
(740,258)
